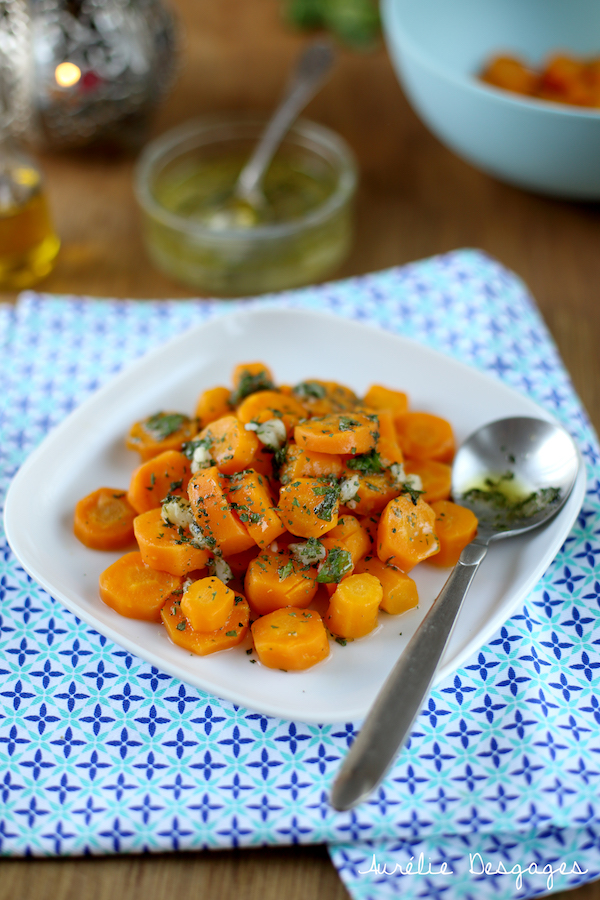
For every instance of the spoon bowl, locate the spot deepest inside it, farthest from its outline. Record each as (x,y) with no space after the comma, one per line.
(515,474)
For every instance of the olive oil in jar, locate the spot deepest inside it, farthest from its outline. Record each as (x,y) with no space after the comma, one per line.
(28,242)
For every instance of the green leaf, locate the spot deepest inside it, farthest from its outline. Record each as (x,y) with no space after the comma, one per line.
(337,564)
(249,384)
(161,424)
(368,463)
(285,571)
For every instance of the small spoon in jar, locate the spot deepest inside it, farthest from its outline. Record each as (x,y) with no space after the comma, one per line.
(515,475)
(246,205)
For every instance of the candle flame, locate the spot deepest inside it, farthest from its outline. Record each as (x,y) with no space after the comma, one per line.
(67,74)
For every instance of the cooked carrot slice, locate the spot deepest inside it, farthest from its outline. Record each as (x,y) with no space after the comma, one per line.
(309,506)
(353,607)
(320,398)
(370,524)
(239,562)
(424,436)
(160,432)
(202,643)
(290,639)
(219,523)
(249,378)
(388,447)
(406,533)
(349,535)
(134,590)
(511,74)
(249,496)
(213,404)
(276,579)
(265,405)
(231,446)
(167,548)
(380,397)
(340,433)
(436,478)
(167,473)
(374,493)
(207,604)
(301,463)
(455,526)
(104,520)
(399,590)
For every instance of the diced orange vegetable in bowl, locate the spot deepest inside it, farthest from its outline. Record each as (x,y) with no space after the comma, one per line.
(406,533)
(380,397)
(455,526)
(134,590)
(349,535)
(104,520)
(165,547)
(290,639)
(275,579)
(301,463)
(203,643)
(353,607)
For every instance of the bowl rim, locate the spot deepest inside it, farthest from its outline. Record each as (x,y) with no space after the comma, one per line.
(166,143)
(393,31)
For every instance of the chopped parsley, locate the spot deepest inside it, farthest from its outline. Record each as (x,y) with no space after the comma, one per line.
(286,570)
(330,493)
(189,447)
(348,424)
(367,463)
(337,564)
(181,625)
(161,425)
(250,383)
(309,390)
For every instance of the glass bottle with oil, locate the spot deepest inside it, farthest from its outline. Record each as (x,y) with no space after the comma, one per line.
(28,242)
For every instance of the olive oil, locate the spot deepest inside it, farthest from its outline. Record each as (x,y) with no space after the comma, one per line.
(28,243)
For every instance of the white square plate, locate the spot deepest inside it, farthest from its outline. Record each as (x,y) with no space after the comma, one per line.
(87,451)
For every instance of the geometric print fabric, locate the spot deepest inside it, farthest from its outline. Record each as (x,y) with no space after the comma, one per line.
(100,752)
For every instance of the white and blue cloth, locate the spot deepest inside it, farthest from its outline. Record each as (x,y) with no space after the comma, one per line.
(496,794)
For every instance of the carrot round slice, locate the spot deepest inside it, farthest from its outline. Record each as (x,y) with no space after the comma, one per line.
(309,507)
(348,535)
(406,533)
(104,520)
(455,526)
(275,580)
(167,473)
(290,639)
(380,397)
(202,643)
(424,436)
(436,478)
(301,463)
(349,433)
(265,405)
(250,497)
(160,432)
(214,514)
(353,607)
(212,404)
(166,547)
(134,590)
(207,604)
(231,446)
(399,590)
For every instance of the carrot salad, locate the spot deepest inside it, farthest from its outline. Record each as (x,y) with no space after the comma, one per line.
(293,514)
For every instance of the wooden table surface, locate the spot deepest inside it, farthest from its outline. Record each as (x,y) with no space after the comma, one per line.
(416,199)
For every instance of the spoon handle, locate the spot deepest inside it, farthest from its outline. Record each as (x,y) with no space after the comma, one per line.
(399,702)
(310,71)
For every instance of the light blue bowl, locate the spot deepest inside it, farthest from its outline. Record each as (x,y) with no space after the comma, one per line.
(439,46)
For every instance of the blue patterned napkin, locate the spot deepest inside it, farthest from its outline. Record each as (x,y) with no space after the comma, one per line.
(102,753)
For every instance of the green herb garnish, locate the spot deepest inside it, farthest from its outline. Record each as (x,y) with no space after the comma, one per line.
(337,564)
(161,424)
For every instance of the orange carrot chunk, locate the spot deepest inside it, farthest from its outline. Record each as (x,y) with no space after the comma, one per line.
(424,436)
(379,397)
(167,473)
(374,492)
(353,607)
(265,405)
(348,535)
(320,398)
(134,590)
(231,446)
(160,432)
(455,526)
(104,520)
(290,639)
(301,463)
(511,74)
(165,547)
(399,590)
(340,433)
(276,579)
(309,506)
(213,404)
(219,523)
(388,448)
(249,496)
(207,604)
(406,533)
(249,378)
(436,478)
(202,643)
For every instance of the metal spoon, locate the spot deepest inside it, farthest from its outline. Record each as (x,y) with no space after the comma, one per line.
(515,474)
(246,204)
